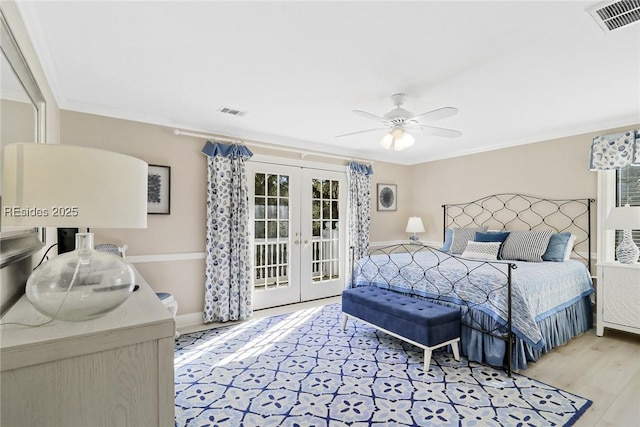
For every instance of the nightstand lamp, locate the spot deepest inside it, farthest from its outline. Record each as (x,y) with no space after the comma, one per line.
(52,185)
(414,226)
(625,218)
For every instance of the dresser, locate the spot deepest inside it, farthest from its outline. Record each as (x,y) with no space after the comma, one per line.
(618,297)
(116,370)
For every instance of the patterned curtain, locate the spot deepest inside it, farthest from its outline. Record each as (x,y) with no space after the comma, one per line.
(359,207)
(228,259)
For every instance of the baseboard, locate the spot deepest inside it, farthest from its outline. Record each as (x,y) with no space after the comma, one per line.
(189,320)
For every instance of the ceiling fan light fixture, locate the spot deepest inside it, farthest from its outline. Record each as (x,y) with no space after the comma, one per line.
(406,139)
(387,141)
(398,139)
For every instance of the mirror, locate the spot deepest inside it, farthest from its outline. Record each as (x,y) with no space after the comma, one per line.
(22,120)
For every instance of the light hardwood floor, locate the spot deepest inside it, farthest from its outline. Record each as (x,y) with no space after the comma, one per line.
(603,369)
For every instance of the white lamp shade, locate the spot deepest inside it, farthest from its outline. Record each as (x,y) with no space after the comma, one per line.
(70,186)
(415,225)
(623,218)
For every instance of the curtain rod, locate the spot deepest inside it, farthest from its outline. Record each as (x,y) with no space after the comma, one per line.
(303,153)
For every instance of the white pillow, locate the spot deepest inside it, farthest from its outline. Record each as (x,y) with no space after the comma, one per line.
(482,250)
(526,245)
(569,248)
(463,235)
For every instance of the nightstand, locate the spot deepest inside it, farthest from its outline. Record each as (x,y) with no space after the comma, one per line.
(618,297)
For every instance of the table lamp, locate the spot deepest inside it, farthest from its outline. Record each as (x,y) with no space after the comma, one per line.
(625,218)
(414,226)
(51,185)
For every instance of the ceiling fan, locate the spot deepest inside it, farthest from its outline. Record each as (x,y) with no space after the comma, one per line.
(400,120)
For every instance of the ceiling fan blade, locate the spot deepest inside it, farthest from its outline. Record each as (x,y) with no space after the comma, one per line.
(438,114)
(360,131)
(447,133)
(370,116)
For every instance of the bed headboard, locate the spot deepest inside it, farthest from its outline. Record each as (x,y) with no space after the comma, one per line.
(521,212)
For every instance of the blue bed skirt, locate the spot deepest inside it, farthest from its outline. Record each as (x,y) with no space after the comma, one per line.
(557,329)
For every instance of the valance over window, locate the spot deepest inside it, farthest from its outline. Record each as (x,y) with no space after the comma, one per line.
(615,151)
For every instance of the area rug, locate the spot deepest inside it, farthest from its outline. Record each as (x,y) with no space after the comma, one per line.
(302,369)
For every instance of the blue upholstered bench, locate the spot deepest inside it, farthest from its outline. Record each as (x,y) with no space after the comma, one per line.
(419,322)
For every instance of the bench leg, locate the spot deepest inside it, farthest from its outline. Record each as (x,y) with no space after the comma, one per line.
(456,349)
(427,359)
(344,322)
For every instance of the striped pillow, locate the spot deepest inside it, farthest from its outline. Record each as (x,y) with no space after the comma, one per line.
(526,245)
(462,236)
(482,250)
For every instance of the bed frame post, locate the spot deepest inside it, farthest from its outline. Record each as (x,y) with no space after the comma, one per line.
(444,222)
(509,321)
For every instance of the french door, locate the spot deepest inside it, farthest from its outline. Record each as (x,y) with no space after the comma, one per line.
(298,224)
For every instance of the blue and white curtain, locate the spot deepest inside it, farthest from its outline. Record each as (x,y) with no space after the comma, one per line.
(359,176)
(228,252)
(615,151)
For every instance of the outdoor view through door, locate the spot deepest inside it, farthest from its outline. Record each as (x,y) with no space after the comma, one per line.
(298,234)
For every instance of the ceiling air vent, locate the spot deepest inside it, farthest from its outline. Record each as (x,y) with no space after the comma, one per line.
(616,14)
(232,111)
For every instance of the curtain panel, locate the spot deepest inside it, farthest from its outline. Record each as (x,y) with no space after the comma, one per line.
(228,248)
(359,176)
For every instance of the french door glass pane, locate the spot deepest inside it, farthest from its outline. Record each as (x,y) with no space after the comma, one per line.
(271,224)
(325,233)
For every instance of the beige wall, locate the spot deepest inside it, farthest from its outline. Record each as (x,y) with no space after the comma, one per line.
(183,231)
(13,277)
(556,168)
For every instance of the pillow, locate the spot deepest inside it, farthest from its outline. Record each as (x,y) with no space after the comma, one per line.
(462,236)
(526,245)
(448,236)
(493,236)
(557,247)
(569,248)
(482,250)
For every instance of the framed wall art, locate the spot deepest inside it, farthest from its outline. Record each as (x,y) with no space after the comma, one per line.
(387,197)
(159,190)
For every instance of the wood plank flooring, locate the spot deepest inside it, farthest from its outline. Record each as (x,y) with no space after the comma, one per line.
(603,369)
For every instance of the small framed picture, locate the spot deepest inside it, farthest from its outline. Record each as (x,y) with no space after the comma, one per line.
(159,190)
(387,197)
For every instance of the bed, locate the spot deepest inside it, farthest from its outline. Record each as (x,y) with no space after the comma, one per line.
(519,297)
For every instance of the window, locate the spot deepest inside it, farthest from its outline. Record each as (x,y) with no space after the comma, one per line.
(628,192)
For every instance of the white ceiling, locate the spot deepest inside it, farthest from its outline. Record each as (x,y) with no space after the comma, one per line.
(519,72)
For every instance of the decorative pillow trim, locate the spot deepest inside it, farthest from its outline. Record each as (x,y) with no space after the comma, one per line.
(461,236)
(482,250)
(526,245)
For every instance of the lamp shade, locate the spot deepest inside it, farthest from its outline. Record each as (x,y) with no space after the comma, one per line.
(71,186)
(415,225)
(623,218)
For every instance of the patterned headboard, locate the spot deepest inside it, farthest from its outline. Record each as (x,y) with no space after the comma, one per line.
(521,212)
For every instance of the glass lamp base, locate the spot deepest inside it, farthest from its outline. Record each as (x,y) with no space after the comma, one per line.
(80,285)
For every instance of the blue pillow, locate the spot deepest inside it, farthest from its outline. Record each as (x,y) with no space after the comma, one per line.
(448,238)
(556,248)
(493,236)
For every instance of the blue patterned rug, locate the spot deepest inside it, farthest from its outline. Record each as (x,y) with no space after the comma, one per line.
(302,369)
